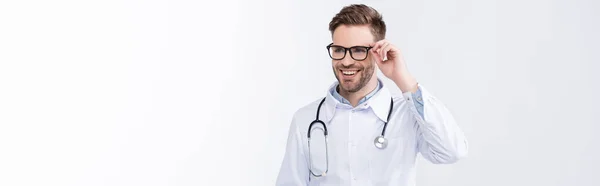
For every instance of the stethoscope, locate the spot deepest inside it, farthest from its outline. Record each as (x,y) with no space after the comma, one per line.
(380,141)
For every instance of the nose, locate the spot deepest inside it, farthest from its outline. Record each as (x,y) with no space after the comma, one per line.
(347,61)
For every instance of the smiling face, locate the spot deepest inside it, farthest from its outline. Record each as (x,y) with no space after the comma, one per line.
(353,75)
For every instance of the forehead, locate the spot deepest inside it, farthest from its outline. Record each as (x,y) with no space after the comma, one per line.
(353,35)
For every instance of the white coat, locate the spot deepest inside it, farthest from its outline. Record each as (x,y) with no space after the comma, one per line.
(353,157)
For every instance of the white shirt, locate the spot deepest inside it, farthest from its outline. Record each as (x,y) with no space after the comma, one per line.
(353,157)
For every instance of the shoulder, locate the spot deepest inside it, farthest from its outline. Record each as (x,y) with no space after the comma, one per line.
(308,111)
(305,115)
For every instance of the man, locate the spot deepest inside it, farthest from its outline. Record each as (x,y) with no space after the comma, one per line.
(355,111)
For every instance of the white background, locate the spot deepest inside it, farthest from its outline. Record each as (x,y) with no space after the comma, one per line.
(202,93)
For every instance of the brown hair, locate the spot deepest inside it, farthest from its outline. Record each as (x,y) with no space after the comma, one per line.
(360,14)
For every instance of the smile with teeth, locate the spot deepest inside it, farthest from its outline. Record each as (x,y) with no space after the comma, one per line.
(349,72)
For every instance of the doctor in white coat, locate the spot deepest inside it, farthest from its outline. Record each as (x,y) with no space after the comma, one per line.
(355,111)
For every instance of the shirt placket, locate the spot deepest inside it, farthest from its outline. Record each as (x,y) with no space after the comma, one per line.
(352,146)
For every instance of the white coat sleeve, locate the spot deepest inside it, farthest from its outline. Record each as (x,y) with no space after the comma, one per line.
(294,168)
(439,138)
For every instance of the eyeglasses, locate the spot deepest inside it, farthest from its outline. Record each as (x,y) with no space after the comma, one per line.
(358,53)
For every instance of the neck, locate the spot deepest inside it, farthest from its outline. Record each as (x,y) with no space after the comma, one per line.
(354,97)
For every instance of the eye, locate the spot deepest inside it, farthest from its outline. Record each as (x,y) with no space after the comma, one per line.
(359,50)
(338,49)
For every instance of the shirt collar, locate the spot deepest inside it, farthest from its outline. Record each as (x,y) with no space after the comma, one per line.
(343,100)
(379,102)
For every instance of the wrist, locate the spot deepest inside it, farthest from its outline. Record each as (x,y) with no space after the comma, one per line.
(406,82)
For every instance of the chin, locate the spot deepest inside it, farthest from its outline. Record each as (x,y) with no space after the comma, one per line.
(349,86)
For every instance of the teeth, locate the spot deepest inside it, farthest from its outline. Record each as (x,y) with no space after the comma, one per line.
(349,72)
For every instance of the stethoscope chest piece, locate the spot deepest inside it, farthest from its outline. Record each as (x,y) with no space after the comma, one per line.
(380,142)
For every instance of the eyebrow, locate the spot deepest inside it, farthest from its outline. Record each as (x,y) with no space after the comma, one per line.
(332,44)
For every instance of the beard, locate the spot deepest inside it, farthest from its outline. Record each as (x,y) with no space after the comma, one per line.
(364,74)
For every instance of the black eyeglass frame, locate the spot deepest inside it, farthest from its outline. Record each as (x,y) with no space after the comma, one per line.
(348,50)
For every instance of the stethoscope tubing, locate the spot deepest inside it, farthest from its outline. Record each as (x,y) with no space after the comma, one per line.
(317,120)
(379,144)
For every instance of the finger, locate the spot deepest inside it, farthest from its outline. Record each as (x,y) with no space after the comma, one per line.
(388,51)
(376,50)
(379,61)
(375,55)
(393,52)
(383,52)
(374,44)
(377,45)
